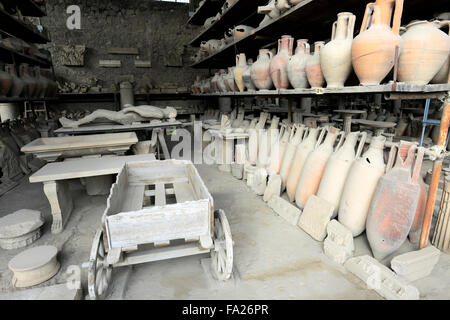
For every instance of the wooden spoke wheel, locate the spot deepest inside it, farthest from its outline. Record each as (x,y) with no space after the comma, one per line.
(99,273)
(222,254)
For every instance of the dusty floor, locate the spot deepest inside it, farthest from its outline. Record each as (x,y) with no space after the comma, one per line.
(272,259)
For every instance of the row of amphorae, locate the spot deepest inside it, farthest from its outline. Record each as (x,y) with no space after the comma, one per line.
(386,200)
(421,47)
(29,82)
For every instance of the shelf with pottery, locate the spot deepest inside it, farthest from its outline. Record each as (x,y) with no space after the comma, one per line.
(19,29)
(27,7)
(310,19)
(382,88)
(204,11)
(6,55)
(240,12)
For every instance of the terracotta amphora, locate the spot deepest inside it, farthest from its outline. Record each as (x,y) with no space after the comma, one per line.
(360,185)
(373,50)
(43,82)
(394,203)
(229,80)
(30,82)
(6,83)
(338,166)
(336,55)
(196,86)
(416,228)
(289,153)
(241,66)
(52,89)
(313,68)
(247,78)
(17,83)
(282,143)
(263,148)
(309,143)
(260,70)
(221,81)
(297,65)
(214,79)
(315,166)
(278,64)
(425,50)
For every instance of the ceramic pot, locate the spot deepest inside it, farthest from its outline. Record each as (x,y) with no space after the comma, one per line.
(214,79)
(17,87)
(360,186)
(247,78)
(283,5)
(278,64)
(373,50)
(270,10)
(425,50)
(196,85)
(443,73)
(296,68)
(52,88)
(315,166)
(394,203)
(43,82)
(337,169)
(221,81)
(301,154)
(416,228)
(279,150)
(297,135)
(6,83)
(260,70)
(241,66)
(240,31)
(29,81)
(211,46)
(229,80)
(336,55)
(313,68)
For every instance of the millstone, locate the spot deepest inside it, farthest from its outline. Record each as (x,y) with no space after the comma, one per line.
(34,266)
(20,228)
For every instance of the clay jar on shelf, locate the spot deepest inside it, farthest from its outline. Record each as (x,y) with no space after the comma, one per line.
(289,153)
(313,68)
(336,55)
(297,65)
(425,50)
(29,81)
(229,80)
(241,66)
(278,64)
(6,82)
(17,87)
(246,76)
(260,70)
(43,82)
(373,50)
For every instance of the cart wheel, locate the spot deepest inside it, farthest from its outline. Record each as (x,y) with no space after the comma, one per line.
(222,254)
(99,273)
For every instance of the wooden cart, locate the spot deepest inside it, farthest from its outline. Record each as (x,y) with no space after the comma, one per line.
(158,210)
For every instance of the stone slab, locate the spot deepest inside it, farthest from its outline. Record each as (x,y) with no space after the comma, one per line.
(381,279)
(338,245)
(415,265)
(110,63)
(285,209)
(315,217)
(131,51)
(56,292)
(85,167)
(273,187)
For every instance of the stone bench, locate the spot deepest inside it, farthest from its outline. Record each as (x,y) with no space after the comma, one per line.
(55,177)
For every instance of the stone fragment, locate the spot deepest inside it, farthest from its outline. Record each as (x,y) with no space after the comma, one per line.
(69,55)
(259,181)
(338,245)
(285,209)
(34,266)
(20,228)
(142,63)
(237,170)
(110,63)
(273,187)
(415,265)
(130,51)
(315,217)
(381,279)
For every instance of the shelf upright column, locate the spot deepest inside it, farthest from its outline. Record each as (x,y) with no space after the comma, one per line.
(437,167)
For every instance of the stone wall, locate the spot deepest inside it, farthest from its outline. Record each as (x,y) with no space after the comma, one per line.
(157,29)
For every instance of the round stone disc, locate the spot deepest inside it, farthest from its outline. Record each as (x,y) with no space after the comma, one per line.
(32,258)
(20,223)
